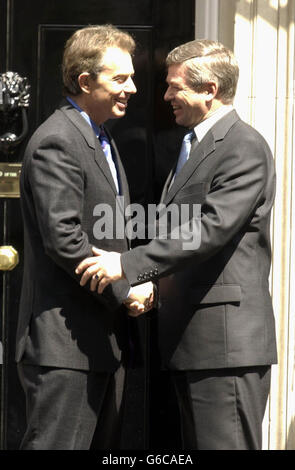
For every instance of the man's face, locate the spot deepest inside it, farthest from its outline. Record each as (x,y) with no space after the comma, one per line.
(189,106)
(112,88)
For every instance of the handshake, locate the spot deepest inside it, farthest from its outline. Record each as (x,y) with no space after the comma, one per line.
(104,268)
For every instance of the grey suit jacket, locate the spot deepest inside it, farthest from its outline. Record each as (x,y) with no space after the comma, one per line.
(216,310)
(64,176)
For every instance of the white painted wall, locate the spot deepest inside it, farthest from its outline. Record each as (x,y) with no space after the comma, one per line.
(262,35)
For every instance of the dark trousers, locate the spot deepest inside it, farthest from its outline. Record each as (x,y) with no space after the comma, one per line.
(222,409)
(71,409)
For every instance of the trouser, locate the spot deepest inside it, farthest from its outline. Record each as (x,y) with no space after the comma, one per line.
(222,409)
(71,409)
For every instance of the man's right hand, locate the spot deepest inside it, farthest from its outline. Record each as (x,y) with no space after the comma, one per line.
(140,299)
(101,269)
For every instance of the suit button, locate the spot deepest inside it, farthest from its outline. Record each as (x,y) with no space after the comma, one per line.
(151,273)
(139,277)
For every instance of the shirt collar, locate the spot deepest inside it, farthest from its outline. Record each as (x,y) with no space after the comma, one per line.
(94,126)
(204,126)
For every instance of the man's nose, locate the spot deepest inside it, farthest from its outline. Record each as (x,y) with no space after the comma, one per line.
(130,86)
(168,95)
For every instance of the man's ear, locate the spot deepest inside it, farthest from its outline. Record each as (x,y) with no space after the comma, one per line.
(211,90)
(84,82)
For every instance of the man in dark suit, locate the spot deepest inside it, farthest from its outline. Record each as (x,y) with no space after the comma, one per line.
(216,323)
(72,343)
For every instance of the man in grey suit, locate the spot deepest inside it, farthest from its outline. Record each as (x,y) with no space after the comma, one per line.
(72,343)
(215,318)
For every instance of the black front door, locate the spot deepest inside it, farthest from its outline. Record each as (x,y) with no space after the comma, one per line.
(32,35)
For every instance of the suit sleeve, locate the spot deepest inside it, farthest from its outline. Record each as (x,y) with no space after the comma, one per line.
(236,196)
(57,185)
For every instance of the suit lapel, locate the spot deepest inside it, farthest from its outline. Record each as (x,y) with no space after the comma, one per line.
(101,161)
(79,122)
(167,185)
(120,169)
(203,149)
(206,147)
(93,142)
(123,185)
(91,139)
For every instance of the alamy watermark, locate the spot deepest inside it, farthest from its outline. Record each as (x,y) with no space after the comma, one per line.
(176,222)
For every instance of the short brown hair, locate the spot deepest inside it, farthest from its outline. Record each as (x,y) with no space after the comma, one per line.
(84,50)
(205,61)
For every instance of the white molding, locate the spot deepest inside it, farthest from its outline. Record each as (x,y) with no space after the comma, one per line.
(207,19)
(262,35)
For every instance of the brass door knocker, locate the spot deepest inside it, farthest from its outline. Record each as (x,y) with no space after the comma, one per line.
(14,101)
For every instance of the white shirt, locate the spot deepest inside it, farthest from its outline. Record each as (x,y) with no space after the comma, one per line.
(203,127)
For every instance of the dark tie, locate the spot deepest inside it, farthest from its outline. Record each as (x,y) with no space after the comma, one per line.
(106,147)
(185,150)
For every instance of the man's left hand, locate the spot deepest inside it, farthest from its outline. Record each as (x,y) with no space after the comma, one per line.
(103,268)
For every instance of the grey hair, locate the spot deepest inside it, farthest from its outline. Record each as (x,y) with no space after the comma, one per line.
(207,61)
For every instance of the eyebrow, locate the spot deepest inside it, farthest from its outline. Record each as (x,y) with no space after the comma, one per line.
(126,74)
(173,82)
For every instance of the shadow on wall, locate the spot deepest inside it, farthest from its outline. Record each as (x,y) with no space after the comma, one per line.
(290,444)
(249,10)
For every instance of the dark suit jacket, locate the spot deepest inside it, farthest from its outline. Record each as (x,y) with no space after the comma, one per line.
(216,310)
(65,175)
